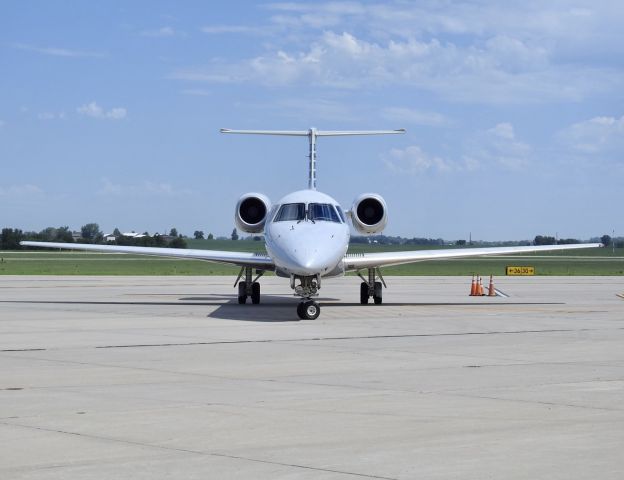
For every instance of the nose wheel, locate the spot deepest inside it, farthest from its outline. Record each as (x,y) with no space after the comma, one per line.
(308,310)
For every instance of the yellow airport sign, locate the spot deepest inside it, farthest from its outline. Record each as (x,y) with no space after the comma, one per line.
(515,270)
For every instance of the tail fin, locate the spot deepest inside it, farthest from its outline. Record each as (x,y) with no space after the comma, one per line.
(312,133)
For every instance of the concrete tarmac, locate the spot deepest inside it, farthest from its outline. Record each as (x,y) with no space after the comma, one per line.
(168,377)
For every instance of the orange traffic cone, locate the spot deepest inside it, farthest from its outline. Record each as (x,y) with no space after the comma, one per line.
(491,290)
(473,287)
(480,289)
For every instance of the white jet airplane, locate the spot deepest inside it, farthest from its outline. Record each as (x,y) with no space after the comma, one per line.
(307,237)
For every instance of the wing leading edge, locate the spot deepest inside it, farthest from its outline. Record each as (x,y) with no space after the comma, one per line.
(372,260)
(242,259)
(351,261)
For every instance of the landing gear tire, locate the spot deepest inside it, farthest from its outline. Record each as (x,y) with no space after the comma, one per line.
(364,293)
(378,295)
(308,310)
(255,293)
(242,295)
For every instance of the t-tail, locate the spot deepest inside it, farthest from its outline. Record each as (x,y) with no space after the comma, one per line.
(312,133)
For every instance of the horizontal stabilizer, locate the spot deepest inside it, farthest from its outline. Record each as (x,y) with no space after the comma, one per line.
(318,133)
(312,134)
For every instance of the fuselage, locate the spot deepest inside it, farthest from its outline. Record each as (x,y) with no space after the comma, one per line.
(306,234)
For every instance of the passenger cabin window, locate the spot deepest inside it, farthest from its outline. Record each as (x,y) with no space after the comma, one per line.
(322,212)
(291,212)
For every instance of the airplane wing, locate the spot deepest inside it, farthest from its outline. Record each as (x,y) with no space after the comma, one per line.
(260,261)
(357,261)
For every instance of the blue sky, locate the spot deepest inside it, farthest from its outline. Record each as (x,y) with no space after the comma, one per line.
(109,112)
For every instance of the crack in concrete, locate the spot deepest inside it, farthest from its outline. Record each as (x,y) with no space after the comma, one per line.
(197,452)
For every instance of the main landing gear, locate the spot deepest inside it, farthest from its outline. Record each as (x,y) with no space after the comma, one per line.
(248,287)
(372,288)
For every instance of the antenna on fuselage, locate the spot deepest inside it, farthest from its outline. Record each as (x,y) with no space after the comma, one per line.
(312,133)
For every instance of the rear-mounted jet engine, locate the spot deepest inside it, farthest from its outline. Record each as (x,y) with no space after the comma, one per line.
(251,212)
(369,214)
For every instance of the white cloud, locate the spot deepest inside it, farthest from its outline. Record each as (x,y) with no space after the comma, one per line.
(25,190)
(110,188)
(592,23)
(314,15)
(51,116)
(200,92)
(416,117)
(160,32)
(315,109)
(414,161)
(467,51)
(146,188)
(93,110)
(116,113)
(498,146)
(504,70)
(234,29)
(57,52)
(596,135)
(503,130)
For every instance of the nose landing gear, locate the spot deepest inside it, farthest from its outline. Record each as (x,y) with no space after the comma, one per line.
(308,310)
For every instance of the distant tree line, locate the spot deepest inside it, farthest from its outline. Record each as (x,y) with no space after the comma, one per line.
(546,240)
(388,240)
(91,233)
(10,238)
(538,240)
(606,240)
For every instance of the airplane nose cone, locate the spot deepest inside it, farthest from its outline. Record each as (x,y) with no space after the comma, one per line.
(307,248)
(311,258)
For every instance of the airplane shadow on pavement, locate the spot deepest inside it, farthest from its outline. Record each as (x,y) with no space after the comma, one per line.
(273,308)
(280,308)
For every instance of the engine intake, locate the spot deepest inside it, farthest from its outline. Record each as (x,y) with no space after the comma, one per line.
(251,212)
(369,214)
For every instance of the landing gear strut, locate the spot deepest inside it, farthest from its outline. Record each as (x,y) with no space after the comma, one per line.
(248,287)
(372,288)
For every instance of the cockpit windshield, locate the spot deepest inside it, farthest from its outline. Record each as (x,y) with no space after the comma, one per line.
(296,212)
(341,213)
(323,212)
(291,212)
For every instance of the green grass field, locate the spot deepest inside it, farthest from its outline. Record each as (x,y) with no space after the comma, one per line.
(596,261)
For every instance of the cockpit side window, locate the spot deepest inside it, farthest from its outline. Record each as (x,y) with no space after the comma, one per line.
(322,212)
(341,213)
(272,212)
(291,212)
